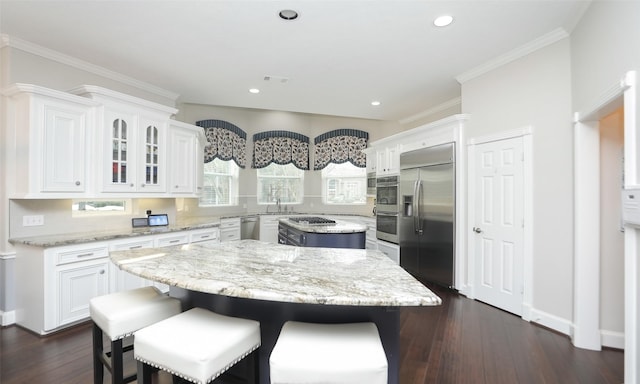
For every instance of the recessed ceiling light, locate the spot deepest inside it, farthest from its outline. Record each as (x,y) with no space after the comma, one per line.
(254,90)
(288,14)
(375,103)
(443,21)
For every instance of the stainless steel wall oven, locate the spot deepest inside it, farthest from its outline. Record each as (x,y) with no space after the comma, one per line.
(387,208)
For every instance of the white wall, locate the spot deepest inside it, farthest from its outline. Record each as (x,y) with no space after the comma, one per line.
(536,91)
(603,48)
(611,236)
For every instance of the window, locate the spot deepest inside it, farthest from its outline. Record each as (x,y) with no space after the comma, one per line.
(220,183)
(98,207)
(284,182)
(344,184)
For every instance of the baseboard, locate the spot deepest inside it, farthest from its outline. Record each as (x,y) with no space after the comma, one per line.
(612,339)
(556,323)
(7,318)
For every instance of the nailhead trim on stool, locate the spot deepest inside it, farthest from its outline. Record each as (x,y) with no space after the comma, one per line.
(329,354)
(119,315)
(197,345)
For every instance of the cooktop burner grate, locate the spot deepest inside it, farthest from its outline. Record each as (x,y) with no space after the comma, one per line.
(311,220)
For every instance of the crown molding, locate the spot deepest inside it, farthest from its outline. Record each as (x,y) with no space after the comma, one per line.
(522,51)
(23,45)
(431,111)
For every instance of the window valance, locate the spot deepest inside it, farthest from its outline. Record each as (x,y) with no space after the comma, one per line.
(280,147)
(340,146)
(225,141)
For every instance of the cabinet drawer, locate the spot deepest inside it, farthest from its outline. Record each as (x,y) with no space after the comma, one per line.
(230,223)
(129,245)
(176,239)
(230,234)
(204,235)
(75,255)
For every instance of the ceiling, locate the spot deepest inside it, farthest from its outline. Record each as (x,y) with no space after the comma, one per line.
(334,59)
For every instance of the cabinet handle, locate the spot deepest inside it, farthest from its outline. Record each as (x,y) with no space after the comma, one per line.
(131,185)
(135,246)
(173,241)
(102,271)
(142,185)
(85,255)
(77,183)
(205,237)
(177,186)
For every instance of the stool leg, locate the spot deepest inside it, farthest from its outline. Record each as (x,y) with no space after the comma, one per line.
(98,367)
(117,369)
(253,365)
(144,373)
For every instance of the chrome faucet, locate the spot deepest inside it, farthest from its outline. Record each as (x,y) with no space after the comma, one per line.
(278,205)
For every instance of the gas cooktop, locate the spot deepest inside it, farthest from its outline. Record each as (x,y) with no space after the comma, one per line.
(312,220)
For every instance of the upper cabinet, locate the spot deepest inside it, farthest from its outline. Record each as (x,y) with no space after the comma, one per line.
(186,151)
(387,150)
(133,148)
(94,142)
(388,160)
(50,133)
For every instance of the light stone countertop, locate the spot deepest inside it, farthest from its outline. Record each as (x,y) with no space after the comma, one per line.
(47,241)
(182,224)
(265,271)
(340,226)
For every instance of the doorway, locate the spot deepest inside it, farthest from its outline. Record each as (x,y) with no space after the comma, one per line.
(587,251)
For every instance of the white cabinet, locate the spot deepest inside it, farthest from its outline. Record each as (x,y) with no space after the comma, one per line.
(121,280)
(371,240)
(54,285)
(77,284)
(51,131)
(206,235)
(372,165)
(186,154)
(170,239)
(268,230)
(391,250)
(388,160)
(133,143)
(230,229)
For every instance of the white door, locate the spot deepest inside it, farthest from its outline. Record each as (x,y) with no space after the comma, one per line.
(498,228)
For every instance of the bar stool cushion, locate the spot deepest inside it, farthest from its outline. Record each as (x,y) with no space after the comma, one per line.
(197,345)
(120,314)
(328,353)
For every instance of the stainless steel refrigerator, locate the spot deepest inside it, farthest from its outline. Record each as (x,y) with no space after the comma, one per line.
(426,223)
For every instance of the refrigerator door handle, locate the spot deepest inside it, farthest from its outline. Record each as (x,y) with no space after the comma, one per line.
(417,191)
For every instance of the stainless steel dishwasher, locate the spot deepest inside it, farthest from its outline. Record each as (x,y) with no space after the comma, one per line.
(248,227)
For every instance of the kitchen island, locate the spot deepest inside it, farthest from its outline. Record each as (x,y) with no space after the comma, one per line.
(315,231)
(275,283)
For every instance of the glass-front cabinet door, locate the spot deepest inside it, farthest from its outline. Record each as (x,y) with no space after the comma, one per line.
(152,155)
(136,154)
(119,140)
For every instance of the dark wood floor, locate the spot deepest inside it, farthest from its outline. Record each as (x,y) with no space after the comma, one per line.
(462,341)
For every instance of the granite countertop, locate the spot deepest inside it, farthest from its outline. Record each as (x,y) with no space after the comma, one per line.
(340,226)
(265,271)
(47,241)
(182,224)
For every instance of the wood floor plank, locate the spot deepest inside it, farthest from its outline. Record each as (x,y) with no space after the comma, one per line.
(461,341)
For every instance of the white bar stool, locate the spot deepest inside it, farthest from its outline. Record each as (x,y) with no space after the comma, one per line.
(197,345)
(119,315)
(328,353)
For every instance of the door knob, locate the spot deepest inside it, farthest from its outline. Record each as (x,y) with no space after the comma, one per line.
(477,230)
